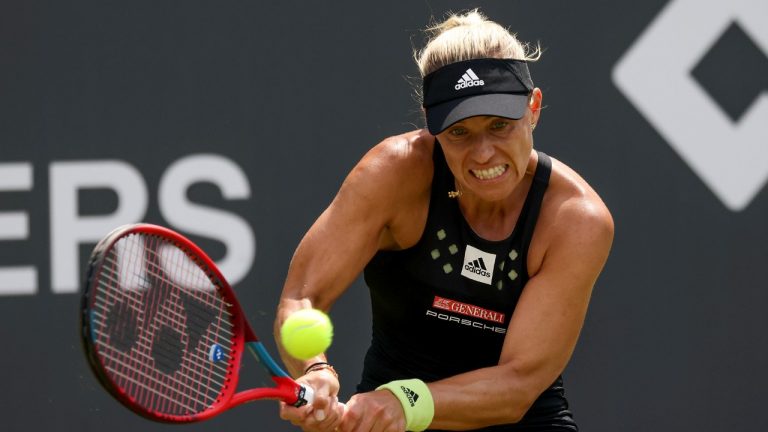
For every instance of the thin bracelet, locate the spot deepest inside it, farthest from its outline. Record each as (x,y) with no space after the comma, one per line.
(320,366)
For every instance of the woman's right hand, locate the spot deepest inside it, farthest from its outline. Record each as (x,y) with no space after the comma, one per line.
(325,412)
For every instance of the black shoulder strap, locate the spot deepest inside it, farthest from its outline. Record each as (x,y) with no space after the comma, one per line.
(533,202)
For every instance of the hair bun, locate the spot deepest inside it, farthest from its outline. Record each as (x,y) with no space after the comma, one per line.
(473,17)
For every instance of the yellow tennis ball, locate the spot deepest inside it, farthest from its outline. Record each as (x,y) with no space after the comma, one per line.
(306,333)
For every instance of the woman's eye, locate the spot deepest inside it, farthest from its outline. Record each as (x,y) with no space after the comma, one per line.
(501,124)
(458,131)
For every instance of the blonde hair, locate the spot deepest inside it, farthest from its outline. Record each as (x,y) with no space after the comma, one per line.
(470,36)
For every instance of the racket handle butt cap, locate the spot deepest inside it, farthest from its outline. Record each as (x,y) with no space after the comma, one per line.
(306,396)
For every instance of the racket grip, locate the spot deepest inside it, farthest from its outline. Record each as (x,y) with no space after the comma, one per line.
(309,397)
(306,396)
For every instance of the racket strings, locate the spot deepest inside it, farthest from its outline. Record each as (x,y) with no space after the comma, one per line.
(137,303)
(193,316)
(119,357)
(160,349)
(179,389)
(147,341)
(176,313)
(143,382)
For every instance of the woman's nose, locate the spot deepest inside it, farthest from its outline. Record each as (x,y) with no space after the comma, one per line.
(482,150)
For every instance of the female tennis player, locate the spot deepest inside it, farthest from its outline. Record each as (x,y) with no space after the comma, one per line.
(480,253)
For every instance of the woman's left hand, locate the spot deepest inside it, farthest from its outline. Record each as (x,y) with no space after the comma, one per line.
(377,411)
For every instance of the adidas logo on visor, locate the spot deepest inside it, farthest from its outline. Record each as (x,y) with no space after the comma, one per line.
(469,79)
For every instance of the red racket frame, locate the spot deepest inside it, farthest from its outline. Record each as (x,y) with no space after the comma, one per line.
(286,388)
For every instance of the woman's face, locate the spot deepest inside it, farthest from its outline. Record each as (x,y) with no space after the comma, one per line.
(489,155)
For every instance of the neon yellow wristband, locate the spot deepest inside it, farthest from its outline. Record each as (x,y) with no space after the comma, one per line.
(416,399)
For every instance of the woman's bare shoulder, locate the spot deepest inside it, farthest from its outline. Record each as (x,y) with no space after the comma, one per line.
(572,213)
(571,193)
(403,160)
(396,177)
(411,149)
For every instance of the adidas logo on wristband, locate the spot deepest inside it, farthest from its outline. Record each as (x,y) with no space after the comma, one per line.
(411,395)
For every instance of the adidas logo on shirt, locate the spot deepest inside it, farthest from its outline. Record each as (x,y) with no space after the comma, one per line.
(478,265)
(469,79)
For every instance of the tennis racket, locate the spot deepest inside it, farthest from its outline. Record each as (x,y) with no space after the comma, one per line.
(164,333)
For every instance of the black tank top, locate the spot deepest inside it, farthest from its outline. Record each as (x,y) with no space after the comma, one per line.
(442,307)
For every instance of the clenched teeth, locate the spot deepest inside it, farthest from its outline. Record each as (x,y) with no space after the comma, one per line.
(489,173)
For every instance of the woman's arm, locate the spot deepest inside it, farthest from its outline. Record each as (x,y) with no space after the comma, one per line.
(377,207)
(544,329)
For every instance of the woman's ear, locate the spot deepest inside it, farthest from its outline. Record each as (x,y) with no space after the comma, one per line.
(534,104)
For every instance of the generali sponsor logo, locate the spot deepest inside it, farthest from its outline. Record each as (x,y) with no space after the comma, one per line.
(467,309)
